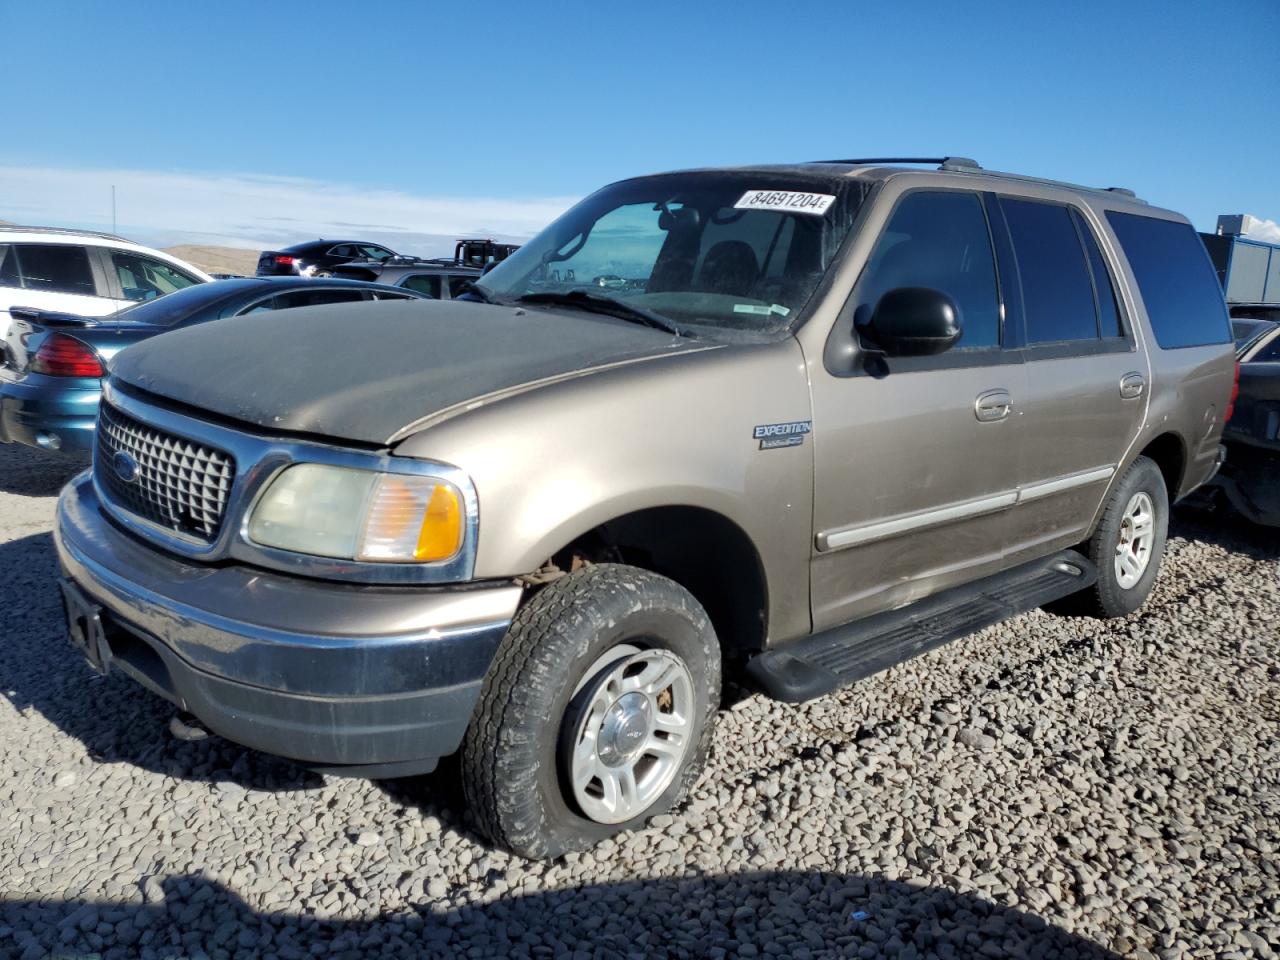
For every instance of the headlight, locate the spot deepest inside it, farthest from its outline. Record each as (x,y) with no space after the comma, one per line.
(360,515)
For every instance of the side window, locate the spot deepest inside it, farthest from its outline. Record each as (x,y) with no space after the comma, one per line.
(9,276)
(1103,285)
(1057,293)
(314,298)
(262,306)
(1178,284)
(384,295)
(427,283)
(143,278)
(621,248)
(938,240)
(457,285)
(55,268)
(342,250)
(368,251)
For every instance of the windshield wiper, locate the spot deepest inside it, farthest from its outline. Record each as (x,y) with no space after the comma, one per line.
(607,305)
(473,289)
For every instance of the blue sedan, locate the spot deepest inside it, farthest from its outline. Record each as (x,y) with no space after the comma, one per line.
(53,363)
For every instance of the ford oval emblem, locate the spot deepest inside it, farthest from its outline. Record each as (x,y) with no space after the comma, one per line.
(125,466)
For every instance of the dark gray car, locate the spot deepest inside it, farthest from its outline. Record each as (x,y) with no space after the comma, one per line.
(813,419)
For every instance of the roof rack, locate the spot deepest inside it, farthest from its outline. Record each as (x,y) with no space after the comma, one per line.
(944,163)
(965,165)
(21,228)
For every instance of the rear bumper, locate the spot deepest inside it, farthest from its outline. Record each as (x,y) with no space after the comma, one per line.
(360,679)
(35,409)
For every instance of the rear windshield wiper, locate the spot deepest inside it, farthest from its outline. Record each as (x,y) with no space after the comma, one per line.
(606,305)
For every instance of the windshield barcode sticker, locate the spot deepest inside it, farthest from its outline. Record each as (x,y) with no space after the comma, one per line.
(785,201)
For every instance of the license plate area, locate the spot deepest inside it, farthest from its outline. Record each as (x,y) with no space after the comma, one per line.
(84,626)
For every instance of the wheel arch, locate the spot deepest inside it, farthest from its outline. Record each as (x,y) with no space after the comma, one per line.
(1169,452)
(701,549)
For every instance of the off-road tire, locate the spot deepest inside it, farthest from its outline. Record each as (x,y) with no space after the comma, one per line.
(512,775)
(1106,599)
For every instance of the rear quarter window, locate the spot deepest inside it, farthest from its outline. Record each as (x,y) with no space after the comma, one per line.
(1178,284)
(56,268)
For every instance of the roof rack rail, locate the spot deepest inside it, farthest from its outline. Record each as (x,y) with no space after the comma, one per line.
(63,231)
(944,163)
(965,165)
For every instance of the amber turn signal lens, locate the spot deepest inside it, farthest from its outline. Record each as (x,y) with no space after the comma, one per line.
(411,519)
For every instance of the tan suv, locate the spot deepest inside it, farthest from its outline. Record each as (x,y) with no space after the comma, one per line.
(813,419)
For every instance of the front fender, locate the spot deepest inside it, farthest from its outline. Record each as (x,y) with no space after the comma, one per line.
(556,462)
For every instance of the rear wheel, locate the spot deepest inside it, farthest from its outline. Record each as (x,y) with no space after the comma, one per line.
(1127,545)
(596,713)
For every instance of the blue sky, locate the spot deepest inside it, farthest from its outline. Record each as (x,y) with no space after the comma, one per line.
(248,122)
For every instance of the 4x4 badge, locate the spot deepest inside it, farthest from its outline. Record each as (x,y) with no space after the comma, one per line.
(774,435)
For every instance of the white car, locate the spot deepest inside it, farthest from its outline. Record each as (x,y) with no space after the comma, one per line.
(78,271)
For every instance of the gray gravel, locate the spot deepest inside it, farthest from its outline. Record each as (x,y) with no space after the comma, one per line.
(1050,787)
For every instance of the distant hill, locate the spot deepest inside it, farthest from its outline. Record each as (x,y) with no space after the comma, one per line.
(213,259)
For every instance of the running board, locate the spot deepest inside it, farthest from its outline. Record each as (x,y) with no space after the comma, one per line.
(817,664)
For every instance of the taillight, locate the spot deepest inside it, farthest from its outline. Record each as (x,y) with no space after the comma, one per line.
(1235,394)
(283,261)
(64,356)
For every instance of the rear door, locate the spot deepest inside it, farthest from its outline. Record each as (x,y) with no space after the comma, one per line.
(915,457)
(1086,389)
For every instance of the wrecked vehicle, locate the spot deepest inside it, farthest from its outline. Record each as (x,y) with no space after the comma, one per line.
(1250,478)
(837,414)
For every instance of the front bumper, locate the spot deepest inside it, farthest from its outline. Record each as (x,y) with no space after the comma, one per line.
(371,680)
(53,416)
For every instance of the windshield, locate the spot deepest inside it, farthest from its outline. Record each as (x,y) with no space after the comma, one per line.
(729,255)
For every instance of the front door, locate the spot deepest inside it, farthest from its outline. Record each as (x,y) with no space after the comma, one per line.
(915,458)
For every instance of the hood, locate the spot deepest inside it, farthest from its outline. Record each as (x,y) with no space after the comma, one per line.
(365,372)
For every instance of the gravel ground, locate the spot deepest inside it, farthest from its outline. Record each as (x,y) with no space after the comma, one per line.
(1049,787)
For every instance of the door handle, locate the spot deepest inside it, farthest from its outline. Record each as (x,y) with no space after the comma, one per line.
(992,406)
(1132,385)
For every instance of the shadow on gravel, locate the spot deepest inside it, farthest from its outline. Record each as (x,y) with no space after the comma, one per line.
(785,913)
(116,719)
(28,472)
(1227,530)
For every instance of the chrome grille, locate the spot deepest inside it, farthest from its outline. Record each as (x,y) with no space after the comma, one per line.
(177,483)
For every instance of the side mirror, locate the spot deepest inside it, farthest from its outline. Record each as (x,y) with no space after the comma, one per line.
(915,322)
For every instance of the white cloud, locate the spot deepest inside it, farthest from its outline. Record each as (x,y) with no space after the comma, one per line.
(255,211)
(1265,230)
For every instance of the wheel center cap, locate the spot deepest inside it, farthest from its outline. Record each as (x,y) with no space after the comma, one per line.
(624,730)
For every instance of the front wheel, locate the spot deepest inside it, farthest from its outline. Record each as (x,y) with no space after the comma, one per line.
(595,714)
(1127,545)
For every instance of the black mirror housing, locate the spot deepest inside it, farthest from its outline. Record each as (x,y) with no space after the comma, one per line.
(915,322)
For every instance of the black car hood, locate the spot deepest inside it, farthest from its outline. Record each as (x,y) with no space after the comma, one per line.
(364,372)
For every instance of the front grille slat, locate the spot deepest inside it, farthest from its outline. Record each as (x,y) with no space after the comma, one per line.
(181,485)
